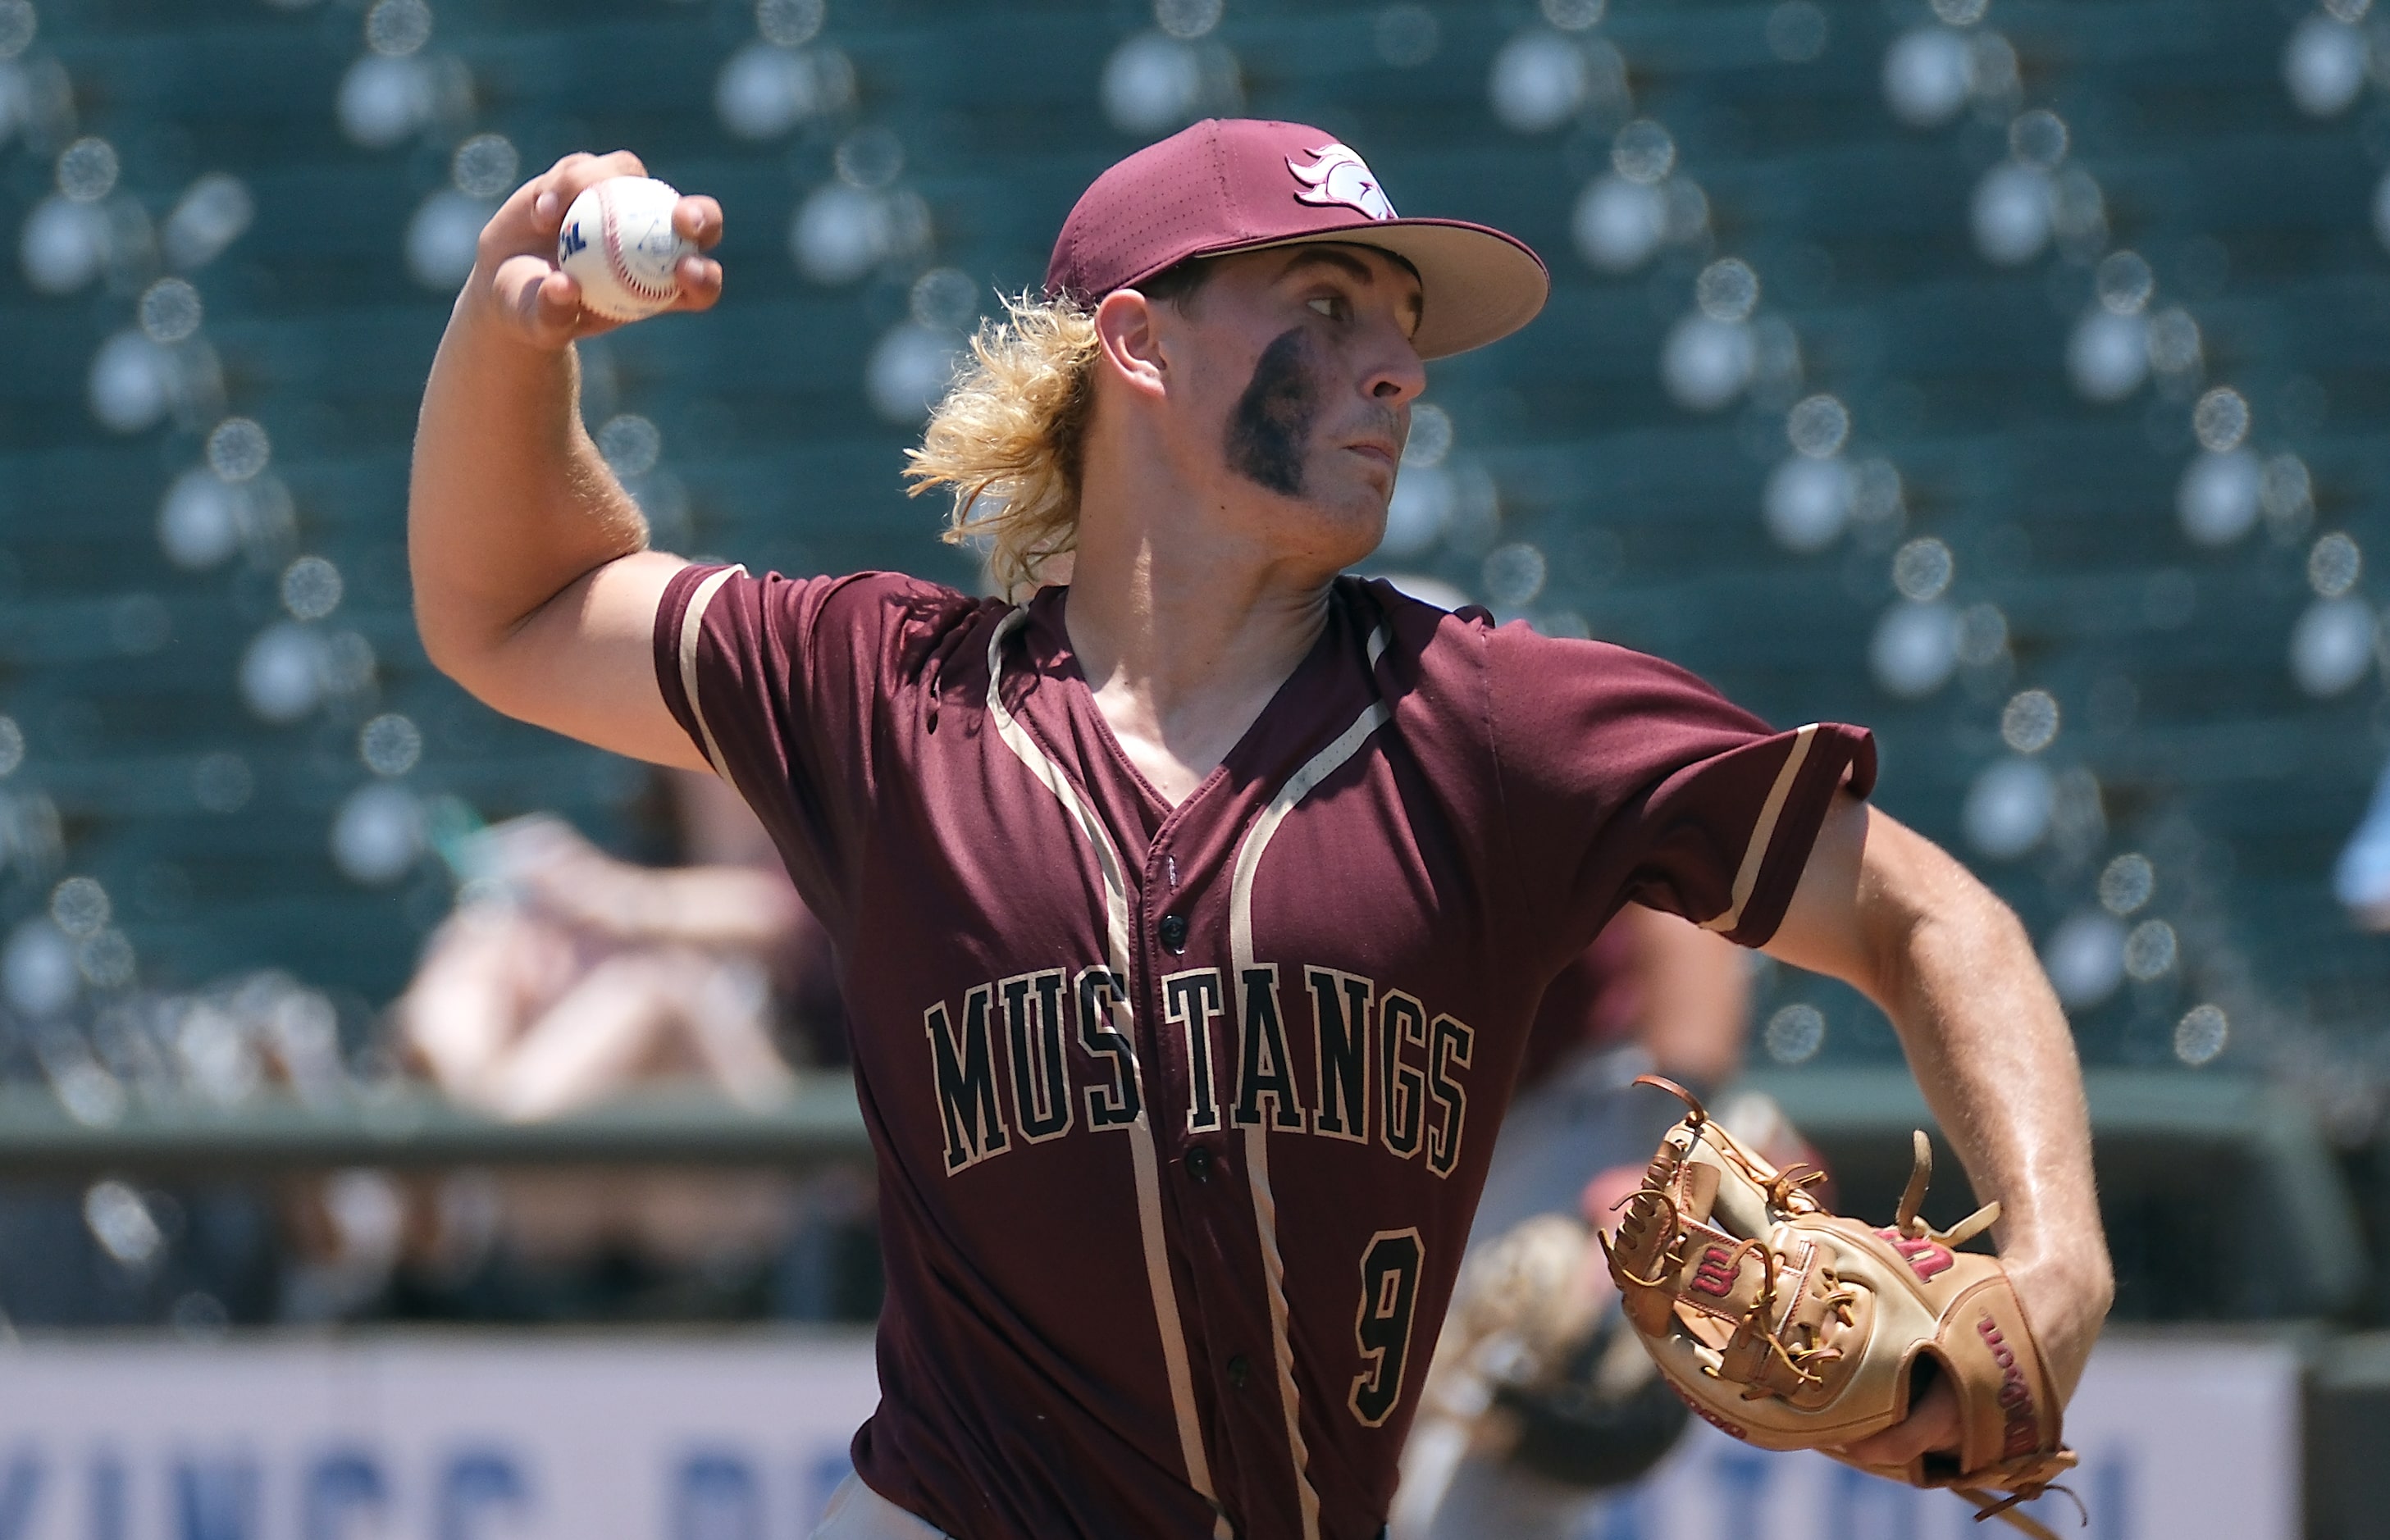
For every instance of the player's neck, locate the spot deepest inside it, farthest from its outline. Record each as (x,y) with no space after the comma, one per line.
(1185,631)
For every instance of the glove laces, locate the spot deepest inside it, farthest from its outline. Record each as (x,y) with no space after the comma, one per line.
(1906,1218)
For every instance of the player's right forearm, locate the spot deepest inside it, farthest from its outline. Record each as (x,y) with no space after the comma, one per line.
(510,501)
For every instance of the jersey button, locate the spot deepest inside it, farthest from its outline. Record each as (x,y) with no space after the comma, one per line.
(1199,1163)
(1173,930)
(1240,1370)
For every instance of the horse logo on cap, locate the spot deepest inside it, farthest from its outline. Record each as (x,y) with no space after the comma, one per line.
(1338,176)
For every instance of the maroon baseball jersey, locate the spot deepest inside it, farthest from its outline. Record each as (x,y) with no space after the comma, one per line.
(1181,1114)
(1595,1000)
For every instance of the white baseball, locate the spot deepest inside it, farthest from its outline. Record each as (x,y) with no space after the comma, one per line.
(619,243)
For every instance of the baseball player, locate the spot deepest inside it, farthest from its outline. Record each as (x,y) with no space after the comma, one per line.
(1191,916)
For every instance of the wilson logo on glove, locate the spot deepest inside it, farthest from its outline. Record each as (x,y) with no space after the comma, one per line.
(1715,1276)
(1731,1430)
(2015,1398)
(1924,1258)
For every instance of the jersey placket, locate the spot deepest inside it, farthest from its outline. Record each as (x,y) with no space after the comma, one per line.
(1128,953)
(1209,1202)
(1225,1191)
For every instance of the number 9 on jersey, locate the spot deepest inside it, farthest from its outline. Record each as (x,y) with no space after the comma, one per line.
(1390,1273)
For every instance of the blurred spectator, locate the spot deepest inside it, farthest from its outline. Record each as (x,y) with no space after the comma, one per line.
(570,975)
(567,978)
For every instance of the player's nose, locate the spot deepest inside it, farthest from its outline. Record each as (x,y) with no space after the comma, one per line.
(1394,375)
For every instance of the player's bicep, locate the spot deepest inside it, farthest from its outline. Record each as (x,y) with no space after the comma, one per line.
(1824,929)
(1871,881)
(584,665)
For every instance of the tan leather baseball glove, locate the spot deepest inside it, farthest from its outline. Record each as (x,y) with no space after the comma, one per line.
(1790,1328)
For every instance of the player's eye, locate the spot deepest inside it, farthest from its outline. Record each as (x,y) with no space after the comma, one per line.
(1329,305)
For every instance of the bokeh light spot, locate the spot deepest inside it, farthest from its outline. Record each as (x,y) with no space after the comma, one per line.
(238,449)
(2128,883)
(311,588)
(397,28)
(390,744)
(2029,722)
(1794,1033)
(1922,569)
(2202,1034)
(169,309)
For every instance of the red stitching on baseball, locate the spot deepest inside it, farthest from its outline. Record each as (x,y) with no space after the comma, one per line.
(614,253)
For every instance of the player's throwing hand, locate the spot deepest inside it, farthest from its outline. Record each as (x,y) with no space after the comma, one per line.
(516,274)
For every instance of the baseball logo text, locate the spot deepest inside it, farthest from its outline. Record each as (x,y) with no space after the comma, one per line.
(2018,1433)
(1381,1068)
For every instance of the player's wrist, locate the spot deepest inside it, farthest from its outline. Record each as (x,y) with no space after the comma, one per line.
(2066,1294)
(2071,1256)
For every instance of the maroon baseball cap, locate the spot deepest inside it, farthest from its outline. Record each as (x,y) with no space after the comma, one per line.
(1240,185)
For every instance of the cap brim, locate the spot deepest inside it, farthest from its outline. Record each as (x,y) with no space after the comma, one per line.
(1478,285)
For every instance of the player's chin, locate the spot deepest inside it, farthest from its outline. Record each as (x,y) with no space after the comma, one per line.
(1351,527)
(1370,467)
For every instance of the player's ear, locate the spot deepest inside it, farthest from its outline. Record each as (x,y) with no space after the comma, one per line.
(1128,331)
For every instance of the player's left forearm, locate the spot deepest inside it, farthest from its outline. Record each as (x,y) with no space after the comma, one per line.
(1890,912)
(1993,1054)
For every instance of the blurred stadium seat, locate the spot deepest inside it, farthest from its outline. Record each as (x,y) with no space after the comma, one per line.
(2003,377)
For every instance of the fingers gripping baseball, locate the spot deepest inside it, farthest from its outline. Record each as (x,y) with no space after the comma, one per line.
(518,273)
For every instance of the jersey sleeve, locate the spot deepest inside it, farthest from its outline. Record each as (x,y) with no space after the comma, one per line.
(782,684)
(1626,778)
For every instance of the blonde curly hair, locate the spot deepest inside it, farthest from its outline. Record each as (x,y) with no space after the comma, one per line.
(1007,440)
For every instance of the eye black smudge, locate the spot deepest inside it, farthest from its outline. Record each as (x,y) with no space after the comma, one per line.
(1272,422)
